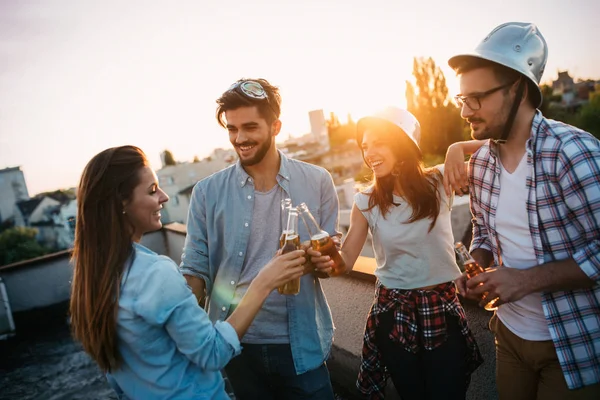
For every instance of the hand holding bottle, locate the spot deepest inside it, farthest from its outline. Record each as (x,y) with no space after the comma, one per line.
(281,269)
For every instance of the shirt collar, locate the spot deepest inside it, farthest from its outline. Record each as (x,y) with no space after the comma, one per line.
(283,174)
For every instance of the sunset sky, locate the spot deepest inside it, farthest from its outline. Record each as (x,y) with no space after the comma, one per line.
(79,76)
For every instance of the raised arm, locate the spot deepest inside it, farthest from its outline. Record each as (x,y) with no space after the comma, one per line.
(455,167)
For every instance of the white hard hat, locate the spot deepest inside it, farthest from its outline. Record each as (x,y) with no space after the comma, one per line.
(519,46)
(399,117)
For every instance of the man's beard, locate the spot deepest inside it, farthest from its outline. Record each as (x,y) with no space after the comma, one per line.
(491,130)
(261,152)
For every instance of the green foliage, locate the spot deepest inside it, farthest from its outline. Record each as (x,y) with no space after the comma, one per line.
(589,116)
(428,100)
(364,175)
(340,133)
(6,224)
(18,244)
(168,158)
(431,160)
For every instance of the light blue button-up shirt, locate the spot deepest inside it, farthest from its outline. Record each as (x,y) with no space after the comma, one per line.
(170,348)
(218,230)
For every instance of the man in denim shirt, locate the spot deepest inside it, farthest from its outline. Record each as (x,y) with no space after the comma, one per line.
(233,230)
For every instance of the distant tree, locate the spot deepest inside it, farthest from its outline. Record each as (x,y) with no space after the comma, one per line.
(588,118)
(340,133)
(7,224)
(168,158)
(196,160)
(548,97)
(18,244)
(428,100)
(364,175)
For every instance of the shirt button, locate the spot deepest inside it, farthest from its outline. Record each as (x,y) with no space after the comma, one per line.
(249,197)
(224,308)
(240,254)
(246,224)
(233,282)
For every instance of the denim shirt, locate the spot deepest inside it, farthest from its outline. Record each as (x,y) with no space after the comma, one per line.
(218,230)
(169,347)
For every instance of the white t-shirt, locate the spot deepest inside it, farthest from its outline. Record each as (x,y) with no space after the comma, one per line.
(525,317)
(407,255)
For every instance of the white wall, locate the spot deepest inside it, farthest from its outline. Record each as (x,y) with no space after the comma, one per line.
(40,285)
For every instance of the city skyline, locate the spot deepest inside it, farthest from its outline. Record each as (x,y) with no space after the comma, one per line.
(81,76)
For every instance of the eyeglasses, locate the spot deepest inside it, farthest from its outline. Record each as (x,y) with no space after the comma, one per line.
(474,101)
(250,89)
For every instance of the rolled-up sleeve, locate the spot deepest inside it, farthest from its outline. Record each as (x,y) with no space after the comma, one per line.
(166,300)
(578,171)
(194,259)
(480,238)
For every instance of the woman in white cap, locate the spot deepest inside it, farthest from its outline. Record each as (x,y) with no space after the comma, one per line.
(416,331)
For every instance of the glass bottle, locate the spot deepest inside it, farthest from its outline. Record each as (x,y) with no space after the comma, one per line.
(286,204)
(472,269)
(321,241)
(290,242)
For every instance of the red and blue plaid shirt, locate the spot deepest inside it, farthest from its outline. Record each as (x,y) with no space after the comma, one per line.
(419,323)
(563,208)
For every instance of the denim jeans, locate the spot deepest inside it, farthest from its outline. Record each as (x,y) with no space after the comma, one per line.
(429,374)
(266,371)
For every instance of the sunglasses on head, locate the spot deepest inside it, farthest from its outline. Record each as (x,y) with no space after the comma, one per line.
(251,89)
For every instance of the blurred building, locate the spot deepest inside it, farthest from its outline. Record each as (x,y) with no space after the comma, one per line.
(53,218)
(572,94)
(178,181)
(13,189)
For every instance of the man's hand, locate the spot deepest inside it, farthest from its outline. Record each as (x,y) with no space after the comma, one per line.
(461,285)
(508,284)
(311,266)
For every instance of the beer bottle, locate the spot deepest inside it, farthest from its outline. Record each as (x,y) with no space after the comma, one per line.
(291,242)
(286,204)
(321,241)
(472,269)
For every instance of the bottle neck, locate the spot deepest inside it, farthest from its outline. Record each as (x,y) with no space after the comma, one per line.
(464,255)
(311,224)
(292,222)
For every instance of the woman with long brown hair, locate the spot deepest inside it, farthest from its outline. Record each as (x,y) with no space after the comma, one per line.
(416,331)
(131,308)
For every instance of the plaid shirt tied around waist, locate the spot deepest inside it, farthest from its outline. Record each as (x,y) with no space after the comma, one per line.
(419,324)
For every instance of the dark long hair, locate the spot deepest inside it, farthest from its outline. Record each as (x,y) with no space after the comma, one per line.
(419,185)
(103,244)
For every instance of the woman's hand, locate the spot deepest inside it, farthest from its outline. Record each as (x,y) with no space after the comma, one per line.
(281,269)
(455,170)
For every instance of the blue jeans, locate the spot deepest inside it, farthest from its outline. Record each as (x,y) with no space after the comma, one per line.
(266,371)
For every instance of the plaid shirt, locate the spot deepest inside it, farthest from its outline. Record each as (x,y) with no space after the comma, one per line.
(563,208)
(420,323)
